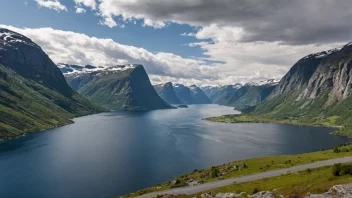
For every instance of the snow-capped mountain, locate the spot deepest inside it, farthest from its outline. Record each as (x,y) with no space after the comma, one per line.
(326,53)
(70,70)
(263,82)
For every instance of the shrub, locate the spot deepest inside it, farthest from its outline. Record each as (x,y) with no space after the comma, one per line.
(346,170)
(309,171)
(336,169)
(336,149)
(214,172)
(255,190)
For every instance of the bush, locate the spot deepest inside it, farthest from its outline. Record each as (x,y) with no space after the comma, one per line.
(255,190)
(346,170)
(214,172)
(336,169)
(309,171)
(336,149)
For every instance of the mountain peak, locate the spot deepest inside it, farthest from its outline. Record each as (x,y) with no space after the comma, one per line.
(9,37)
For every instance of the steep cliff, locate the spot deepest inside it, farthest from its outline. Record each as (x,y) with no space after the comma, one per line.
(122,87)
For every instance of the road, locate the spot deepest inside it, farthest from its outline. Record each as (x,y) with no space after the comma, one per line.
(211,185)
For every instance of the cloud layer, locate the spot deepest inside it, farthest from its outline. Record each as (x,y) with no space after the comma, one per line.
(293,22)
(249,39)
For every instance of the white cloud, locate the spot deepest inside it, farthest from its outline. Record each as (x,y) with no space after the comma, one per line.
(88,3)
(188,34)
(242,62)
(80,10)
(52,4)
(76,48)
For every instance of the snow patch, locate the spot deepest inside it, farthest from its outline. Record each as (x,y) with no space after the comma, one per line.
(264,82)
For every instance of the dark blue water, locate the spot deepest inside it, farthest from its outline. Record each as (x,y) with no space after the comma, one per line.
(116,153)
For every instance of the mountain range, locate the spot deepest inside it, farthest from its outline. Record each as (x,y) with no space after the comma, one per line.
(181,94)
(239,95)
(121,87)
(33,92)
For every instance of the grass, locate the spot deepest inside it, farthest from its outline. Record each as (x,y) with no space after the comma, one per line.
(251,166)
(315,181)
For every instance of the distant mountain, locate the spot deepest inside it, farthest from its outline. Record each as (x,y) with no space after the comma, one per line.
(33,92)
(184,94)
(166,92)
(240,96)
(199,96)
(316,90)
(121,87)
(221,94)
(252,93)
(191,94)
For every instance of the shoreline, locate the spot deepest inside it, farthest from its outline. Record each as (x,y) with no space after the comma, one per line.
(70,121)
(258,120)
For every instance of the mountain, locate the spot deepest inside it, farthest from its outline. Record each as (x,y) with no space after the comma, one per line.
(316,90)
(166,92)
(199,96)
(33,92)
(240,96)
(252,93)
(221,94)
(191,94)
(184,94)
(121,87)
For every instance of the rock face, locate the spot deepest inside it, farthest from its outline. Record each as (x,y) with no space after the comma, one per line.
(317,87)
(27,59)
(166,92)
(122,87)
(199,96)
(34,94)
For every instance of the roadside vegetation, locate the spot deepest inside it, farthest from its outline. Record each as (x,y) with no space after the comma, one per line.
(315,181)
(251,166)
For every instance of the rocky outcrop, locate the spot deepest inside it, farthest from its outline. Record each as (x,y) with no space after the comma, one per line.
(338,191)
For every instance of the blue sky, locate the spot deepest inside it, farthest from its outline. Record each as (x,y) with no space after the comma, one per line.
(222,42)
(19,14)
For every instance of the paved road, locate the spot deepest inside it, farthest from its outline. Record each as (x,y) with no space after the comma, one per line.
(207,186)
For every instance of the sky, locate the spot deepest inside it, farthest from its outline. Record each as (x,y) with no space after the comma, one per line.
(202,42)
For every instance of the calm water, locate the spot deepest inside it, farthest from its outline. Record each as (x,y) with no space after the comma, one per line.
(116,153)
